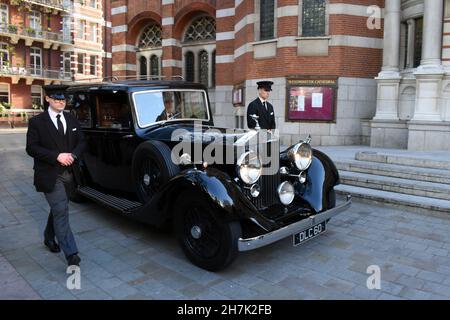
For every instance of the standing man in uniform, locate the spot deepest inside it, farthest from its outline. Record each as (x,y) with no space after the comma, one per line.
(261,108)
(55,141)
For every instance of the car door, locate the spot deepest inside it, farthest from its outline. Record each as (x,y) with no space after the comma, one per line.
(114,140)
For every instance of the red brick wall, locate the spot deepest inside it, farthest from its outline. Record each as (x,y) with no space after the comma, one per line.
(341,61)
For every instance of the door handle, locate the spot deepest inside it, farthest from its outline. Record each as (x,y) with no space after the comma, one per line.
(128,136)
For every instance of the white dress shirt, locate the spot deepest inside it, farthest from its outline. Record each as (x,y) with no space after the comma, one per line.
(263,101)
(53,115)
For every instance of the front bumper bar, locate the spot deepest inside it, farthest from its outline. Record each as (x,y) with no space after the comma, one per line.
(268,238)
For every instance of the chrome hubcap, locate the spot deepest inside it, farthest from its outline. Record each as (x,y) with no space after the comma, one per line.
(196,232)
(146,179)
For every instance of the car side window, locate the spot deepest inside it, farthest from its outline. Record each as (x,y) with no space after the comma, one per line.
(113,111)
(78,105)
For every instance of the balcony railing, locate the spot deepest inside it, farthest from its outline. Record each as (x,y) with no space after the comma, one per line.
(13,30)
(63,5)
(35,71)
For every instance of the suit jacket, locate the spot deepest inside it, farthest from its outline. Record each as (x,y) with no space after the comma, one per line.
(266,117)
(44,146)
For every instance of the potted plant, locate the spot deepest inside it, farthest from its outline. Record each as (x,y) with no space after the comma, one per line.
(12,28)
(30,31)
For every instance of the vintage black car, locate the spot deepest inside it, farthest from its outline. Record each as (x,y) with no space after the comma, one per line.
(134,165)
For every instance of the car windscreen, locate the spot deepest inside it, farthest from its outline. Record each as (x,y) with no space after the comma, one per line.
(167,105)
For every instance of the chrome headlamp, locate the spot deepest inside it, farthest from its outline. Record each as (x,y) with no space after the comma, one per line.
(301,155)
(249,167)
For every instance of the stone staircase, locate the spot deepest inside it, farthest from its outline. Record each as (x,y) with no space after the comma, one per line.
(420,184)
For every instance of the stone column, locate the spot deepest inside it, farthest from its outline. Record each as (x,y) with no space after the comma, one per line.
(430,73)
(410,43)
(389,78)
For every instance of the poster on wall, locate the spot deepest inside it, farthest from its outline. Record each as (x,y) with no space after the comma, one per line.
(311,99)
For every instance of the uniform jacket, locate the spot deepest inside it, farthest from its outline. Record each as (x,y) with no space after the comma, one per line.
(44,146)
(266,117)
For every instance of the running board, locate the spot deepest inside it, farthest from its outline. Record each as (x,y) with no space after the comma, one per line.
(120,204)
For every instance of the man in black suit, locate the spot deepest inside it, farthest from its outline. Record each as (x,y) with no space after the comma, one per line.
(261,109)
(55,141)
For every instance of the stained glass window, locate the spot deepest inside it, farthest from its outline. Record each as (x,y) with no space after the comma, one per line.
(266,21)
(189,66)
(151,37)
(201,29)
(314,18)
(154,66)
(203,64)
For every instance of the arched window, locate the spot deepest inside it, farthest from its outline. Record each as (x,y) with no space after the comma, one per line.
(201,29)
(203,67)
(150,37)
(4,54)
(198,46)
(143,67)
(189,66)
(154,66)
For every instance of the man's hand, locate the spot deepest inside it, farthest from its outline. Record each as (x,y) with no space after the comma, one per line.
(65,159)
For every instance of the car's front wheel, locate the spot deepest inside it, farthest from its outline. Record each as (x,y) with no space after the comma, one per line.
(207,240)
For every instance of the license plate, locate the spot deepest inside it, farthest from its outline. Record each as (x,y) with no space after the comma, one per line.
(309,233)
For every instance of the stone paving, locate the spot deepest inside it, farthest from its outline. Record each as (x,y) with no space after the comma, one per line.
(122,259)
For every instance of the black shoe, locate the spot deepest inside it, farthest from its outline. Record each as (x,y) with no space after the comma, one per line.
(73,260)
(52,245)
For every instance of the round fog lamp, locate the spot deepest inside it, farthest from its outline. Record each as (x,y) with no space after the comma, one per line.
(255,190)
(286,193)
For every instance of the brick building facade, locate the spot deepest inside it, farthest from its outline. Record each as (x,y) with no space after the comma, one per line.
(50,42)
(258,40)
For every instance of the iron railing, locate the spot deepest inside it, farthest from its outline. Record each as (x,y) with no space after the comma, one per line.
(35,71)
(11,29)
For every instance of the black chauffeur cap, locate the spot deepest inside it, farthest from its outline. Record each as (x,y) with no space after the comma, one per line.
(56,92)
(266,85)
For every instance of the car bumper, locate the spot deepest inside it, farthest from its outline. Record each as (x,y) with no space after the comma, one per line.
(271,237)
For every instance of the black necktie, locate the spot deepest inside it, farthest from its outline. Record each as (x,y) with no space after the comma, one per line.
(60,125)
(265,106)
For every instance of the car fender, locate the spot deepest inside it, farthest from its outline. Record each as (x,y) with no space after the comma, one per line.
(321,177)
(218,188)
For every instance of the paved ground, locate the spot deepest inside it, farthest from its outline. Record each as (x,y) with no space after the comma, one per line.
(124,260)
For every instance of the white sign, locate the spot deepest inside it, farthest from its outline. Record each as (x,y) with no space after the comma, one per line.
(317,100)
(301,103)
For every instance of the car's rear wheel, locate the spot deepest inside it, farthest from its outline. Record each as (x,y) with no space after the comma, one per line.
(207,240)
(152,167)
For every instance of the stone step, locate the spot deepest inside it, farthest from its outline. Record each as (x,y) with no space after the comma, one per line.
(398,185)
(399,201)
(395,171)
(412,161)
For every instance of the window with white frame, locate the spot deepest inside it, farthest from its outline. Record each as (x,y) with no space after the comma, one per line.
(4,15)
(4,92)
(92,3)
(93,65)
(93,31)
(35,20)
(35,61)
(36,95)
(198,48)
(66,28)
(80,63)
(81,29)
(67,64)
(4,54)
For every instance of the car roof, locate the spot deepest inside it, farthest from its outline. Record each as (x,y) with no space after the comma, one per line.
(128,85)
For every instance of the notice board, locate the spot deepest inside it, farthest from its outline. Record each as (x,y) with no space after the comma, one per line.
(311,99)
